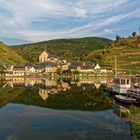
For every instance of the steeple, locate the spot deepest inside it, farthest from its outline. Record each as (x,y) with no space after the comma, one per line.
(45,49)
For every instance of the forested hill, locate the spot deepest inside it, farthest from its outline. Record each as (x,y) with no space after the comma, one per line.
(9,56)
(71,49)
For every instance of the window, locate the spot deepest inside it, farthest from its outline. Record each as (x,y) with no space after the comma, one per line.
(128,81)
(122,81)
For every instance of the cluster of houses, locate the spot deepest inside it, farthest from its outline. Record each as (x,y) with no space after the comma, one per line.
(32,69)
(51,65)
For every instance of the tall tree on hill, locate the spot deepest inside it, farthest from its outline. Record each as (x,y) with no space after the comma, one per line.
(134,34)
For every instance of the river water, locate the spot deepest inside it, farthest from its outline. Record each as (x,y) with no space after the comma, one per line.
(48,109)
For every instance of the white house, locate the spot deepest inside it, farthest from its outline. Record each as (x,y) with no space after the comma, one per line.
(97,67)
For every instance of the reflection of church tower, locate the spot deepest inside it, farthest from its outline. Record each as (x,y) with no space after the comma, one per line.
(44,56)
(43,94)
(97,85)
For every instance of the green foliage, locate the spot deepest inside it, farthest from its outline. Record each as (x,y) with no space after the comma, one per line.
(135,120)
(134,34)
(9,56)
(127,52)
(71,49)
(11,138)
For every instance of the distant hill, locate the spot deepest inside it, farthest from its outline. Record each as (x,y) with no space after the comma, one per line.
(71,49)
(9,56)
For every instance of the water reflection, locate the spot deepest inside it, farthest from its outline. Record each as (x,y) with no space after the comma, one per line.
(47,87)
(121,110)
(21,81)
(44,124)
(58,109)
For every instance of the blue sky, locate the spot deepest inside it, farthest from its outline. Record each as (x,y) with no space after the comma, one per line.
(24,21)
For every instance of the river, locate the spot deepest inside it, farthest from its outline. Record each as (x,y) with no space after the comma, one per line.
(49,109)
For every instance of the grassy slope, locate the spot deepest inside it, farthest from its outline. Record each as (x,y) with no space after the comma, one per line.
(9,56)
(127,52)
(72,49)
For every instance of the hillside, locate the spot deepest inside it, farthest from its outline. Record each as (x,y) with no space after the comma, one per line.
(125,50)
(9,56)
(71,49)
(98,50)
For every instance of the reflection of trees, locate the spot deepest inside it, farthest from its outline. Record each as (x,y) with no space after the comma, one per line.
(9,94)
(67,100)
(71,99)
(131,114)
(135,121)
(53,94)
(121,110)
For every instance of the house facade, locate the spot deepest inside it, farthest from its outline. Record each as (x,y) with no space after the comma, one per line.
(23,70)
(89,68)
(51,68)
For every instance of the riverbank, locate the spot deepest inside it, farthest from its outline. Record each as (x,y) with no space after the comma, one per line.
(134,120)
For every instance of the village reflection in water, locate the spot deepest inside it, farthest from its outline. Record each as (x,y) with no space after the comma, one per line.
(63,104)
(50,86)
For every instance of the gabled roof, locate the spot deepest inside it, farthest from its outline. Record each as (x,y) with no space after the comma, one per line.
(44,53)
(97,67)
(48,54)
(7,66)
(51,55)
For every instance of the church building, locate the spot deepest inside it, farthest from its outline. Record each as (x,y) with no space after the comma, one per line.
(46,57)
(43,57)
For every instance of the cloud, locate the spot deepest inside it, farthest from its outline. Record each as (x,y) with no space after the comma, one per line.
(35,20)
(85,7)
(74,32)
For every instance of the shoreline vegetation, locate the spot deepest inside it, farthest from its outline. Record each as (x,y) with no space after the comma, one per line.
(134,120)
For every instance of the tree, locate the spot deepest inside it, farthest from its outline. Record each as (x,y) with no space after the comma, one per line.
(118,38)
(134,34)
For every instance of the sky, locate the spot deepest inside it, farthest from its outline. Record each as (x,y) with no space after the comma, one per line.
(26,21)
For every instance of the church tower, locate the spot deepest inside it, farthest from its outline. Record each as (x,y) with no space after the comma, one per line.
(44,56)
